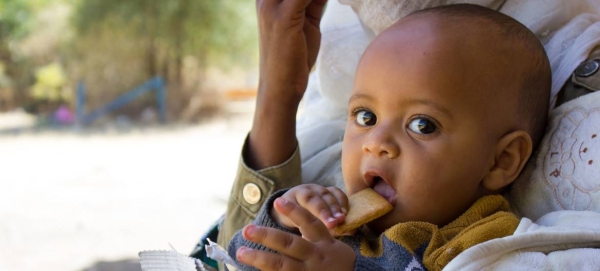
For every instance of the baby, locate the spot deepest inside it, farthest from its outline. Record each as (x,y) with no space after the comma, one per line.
(448,104)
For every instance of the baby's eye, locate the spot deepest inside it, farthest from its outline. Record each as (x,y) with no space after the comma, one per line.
(365,118)
(422,126)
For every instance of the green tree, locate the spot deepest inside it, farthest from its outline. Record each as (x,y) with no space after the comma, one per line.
(17,21)
(14,18)
(214,32)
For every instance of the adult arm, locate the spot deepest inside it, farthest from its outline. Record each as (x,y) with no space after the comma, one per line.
(289,38)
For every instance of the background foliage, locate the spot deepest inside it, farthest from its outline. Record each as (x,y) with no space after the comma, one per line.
(47,46)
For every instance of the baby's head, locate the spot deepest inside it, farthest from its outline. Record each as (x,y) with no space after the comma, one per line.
(447,106)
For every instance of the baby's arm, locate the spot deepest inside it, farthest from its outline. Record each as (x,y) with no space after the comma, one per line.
(255,246)
(289,43)
(301,240)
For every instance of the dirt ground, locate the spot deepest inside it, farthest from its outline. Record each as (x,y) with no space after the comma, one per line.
(79,201)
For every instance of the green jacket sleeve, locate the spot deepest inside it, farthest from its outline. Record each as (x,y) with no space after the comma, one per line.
(250,190)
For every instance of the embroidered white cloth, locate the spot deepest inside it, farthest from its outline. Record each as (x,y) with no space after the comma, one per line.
(565,174)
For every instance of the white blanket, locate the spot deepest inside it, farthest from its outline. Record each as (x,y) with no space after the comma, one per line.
(562,240)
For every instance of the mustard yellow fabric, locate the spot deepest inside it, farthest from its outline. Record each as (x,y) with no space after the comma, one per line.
(487,219)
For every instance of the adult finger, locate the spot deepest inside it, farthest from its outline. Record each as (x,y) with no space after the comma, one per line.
(311,228)
(268,261)
(266,4)
(314,11)
(285,243)
(295,5)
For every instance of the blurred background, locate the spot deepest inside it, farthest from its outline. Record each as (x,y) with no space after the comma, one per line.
(121,124)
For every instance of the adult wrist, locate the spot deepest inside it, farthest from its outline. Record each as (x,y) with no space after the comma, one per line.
(286,94)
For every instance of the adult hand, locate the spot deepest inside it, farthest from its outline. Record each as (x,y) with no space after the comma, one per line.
(289,43)
(289,37)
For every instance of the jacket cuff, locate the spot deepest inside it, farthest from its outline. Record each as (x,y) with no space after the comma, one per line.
(255,186)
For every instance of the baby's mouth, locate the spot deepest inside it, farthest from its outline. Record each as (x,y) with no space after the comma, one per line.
(384,189)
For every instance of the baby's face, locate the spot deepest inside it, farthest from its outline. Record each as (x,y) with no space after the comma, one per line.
(418,130)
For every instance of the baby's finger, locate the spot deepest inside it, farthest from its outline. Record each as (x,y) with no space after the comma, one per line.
(335,208)
(311,228)
(264,260)
(285,243)
(312,199)
(341,197)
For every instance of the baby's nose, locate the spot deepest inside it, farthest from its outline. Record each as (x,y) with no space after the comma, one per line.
(381,143)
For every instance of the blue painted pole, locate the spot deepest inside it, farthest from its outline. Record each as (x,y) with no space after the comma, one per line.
(119,102)
(80,102)
(161,99)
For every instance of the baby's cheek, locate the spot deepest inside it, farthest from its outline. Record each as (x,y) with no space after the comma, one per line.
(350,167)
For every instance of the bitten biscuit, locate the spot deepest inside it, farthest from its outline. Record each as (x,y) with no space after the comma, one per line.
(365,206)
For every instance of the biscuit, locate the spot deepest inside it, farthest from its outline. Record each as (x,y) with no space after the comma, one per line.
(364,206)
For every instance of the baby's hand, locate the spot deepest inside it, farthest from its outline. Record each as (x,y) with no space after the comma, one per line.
(315,250)
(328,204)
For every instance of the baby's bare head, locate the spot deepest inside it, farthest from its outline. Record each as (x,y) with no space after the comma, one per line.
(499,63)
(518,58)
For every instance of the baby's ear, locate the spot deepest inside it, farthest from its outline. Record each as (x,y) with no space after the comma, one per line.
(512,152)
